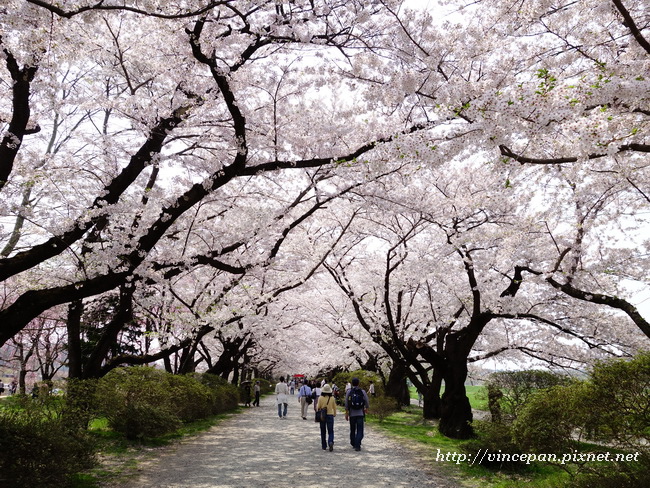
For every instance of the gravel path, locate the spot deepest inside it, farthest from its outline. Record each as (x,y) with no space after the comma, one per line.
(258,449)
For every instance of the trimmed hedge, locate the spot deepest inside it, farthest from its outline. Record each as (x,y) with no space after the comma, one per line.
(143,402)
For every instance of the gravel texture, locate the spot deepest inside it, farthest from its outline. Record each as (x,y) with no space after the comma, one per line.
(258,449)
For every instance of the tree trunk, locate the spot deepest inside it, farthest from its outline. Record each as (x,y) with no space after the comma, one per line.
(396,385)
(75,310)
(22,384)
(456,413)
(432,406)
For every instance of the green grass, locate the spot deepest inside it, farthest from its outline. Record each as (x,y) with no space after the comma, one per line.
(475,394)
(409,427)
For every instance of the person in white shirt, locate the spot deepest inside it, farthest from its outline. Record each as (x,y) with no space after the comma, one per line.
(281,396)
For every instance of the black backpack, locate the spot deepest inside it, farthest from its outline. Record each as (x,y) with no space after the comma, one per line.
(308,398)
(356,399)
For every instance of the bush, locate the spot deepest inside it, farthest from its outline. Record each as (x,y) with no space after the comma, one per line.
(365,377)
(547,422)
(144,402)
(515,387)
(40,450)
(191,399)
(628,475)
(495,438)
(226,395)
(527,416)
(137,403)
(620,406)
(80,405)
(383,406)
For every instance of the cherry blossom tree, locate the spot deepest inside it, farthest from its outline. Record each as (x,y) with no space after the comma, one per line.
(167,107)
(434,278)
(179,171)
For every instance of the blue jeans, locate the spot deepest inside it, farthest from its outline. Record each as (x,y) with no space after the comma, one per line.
(329,426)
(356,430)
(280,409)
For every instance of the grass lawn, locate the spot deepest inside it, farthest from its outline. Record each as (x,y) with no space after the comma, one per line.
(475,394)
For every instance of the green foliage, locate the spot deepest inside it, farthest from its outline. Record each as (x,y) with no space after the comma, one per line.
(365,377)
(620,410)
(494,437)
(624,475)
(517,386)
(383,406)
(137,403)
(546,422)
(38,448)
(143,402)
(225,395)
(612,406)
(193,400)
(80,407)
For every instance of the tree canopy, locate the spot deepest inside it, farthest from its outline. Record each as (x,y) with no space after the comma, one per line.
(317,183)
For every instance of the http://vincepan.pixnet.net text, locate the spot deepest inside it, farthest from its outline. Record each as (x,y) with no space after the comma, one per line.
(485,455)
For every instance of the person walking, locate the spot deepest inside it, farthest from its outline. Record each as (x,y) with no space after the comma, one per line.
(281,397)
(256,389)
(327,402)
(315,394)
(245,389)
(371,389)
(356,408)
(304,398)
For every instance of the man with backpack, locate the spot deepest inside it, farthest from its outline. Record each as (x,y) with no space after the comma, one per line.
(356,408)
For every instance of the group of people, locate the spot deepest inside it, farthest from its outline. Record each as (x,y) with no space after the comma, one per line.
(13,386)
(246,393)
(322,397)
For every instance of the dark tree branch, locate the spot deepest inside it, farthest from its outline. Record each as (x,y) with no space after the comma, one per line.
(630,24)
(505,151)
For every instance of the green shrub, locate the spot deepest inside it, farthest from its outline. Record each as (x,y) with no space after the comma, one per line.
(39,450)
(613,475)
(383,406)
(137,402)
(365,377)
(226,395)
(515,387)
(191,399)
(80,406)
(144,402)
(494,438)
(548,421)
(228,398)
(620,406)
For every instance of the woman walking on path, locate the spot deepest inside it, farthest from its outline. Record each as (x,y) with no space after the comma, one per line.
(326,401)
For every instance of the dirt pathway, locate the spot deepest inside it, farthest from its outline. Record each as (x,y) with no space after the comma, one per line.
(258,449)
